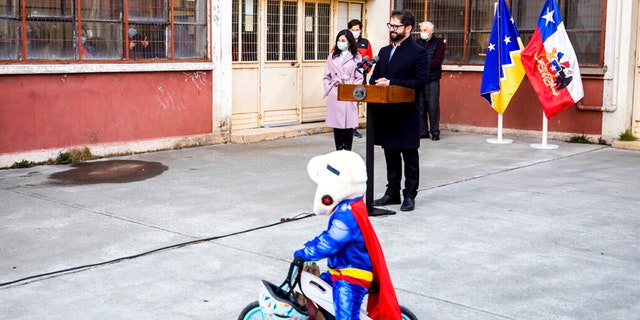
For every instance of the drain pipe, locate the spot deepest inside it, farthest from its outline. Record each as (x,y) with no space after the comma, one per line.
(612,106)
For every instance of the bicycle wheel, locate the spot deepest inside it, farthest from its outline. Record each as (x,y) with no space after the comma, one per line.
(407,314)
(251,312)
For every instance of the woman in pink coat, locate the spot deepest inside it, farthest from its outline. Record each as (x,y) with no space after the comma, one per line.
(341,65)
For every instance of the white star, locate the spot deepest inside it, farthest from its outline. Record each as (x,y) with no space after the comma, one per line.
(512,22)
(548,17)
(507,40)
(492,46)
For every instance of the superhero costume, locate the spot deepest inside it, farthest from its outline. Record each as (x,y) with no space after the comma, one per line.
(356,263)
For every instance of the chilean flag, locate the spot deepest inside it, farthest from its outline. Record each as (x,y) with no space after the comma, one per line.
(551,64)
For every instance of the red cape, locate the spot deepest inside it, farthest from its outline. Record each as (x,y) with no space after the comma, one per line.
(383,304)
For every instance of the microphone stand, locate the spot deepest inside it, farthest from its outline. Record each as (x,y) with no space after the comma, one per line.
(369,148)
(365,71)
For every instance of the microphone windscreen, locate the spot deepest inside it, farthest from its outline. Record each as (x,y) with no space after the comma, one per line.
(375,59)
(365,59)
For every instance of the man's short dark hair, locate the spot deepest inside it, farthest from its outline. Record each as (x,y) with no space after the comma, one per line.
(406,17)
(354,22)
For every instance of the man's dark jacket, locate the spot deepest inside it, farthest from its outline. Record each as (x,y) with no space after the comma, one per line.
(397,126)
(435,52)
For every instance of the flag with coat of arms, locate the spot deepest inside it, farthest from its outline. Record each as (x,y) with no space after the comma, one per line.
(551,63)
(503,70)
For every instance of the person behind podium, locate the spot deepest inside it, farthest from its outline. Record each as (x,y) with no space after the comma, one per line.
(341,66)
(365,49)
(429,98)
(397,125)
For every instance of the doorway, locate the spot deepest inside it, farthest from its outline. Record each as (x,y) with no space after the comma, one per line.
(279,51)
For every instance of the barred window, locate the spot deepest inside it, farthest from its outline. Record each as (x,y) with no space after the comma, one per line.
(466,25)
(50,30)
(244,36)
(316,31)
(282,18)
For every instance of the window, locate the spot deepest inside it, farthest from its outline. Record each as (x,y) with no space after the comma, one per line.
(49,30)
(244,39)
(316,31)
(282,18)
(466,25)
(348,11)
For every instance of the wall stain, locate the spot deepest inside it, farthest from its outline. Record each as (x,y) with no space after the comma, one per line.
(109,171)
(198,78)
(167,97)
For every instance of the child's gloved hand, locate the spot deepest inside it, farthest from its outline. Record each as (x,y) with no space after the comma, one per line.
(298,254)
(298,262)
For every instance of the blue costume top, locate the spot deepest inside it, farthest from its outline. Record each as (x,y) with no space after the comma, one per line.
(344,247)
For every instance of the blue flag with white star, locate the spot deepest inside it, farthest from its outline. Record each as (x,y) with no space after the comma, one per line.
(503,70)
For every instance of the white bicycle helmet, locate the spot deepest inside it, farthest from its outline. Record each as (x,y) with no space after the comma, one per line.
(275,305)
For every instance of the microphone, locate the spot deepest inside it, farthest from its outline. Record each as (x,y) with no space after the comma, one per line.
(363,62)
(374,60)
(366,64)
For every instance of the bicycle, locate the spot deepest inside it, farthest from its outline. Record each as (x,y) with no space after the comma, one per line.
(282,302)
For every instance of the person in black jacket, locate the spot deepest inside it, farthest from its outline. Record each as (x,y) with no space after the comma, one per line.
(397,126)
(429,99)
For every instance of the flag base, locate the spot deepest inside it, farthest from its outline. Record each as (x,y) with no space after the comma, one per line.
(500,141)
(544,146)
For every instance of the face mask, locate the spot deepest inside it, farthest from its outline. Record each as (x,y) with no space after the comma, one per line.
(84,39)
(356,34)
(425,36)
(342,46)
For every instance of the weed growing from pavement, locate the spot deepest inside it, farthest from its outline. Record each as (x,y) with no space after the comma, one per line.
(583,138)
(627,136)
(23,164)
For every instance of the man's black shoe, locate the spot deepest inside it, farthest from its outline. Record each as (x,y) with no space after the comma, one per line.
(408,205)
(386,200)
(435,136)
(424,136)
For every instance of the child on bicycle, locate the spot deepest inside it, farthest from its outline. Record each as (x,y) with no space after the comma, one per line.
(350,245)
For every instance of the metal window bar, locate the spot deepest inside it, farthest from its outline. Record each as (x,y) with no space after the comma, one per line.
(323,31)
(244,40)
(310,31)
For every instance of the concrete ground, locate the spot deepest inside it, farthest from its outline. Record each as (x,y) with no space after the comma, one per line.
(499,231)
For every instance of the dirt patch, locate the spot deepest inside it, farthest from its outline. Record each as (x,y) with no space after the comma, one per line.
(110,171)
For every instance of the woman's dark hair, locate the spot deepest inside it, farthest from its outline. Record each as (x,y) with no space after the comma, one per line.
(406,17)
(352,43)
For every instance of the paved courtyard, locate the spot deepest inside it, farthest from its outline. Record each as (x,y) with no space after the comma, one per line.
(499,231)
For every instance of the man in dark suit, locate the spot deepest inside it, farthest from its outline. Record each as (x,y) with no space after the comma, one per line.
(397,126)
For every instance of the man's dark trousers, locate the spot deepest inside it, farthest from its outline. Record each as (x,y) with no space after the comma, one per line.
(432,93)
(394,159)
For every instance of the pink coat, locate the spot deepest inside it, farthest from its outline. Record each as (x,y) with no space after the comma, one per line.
(340,114)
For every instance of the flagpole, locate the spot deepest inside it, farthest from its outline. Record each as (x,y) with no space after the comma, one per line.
(499,139)
(544,145)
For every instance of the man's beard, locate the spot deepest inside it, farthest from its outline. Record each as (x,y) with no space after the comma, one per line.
(397,37)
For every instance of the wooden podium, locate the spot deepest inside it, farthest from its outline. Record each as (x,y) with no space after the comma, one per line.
(377,95)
